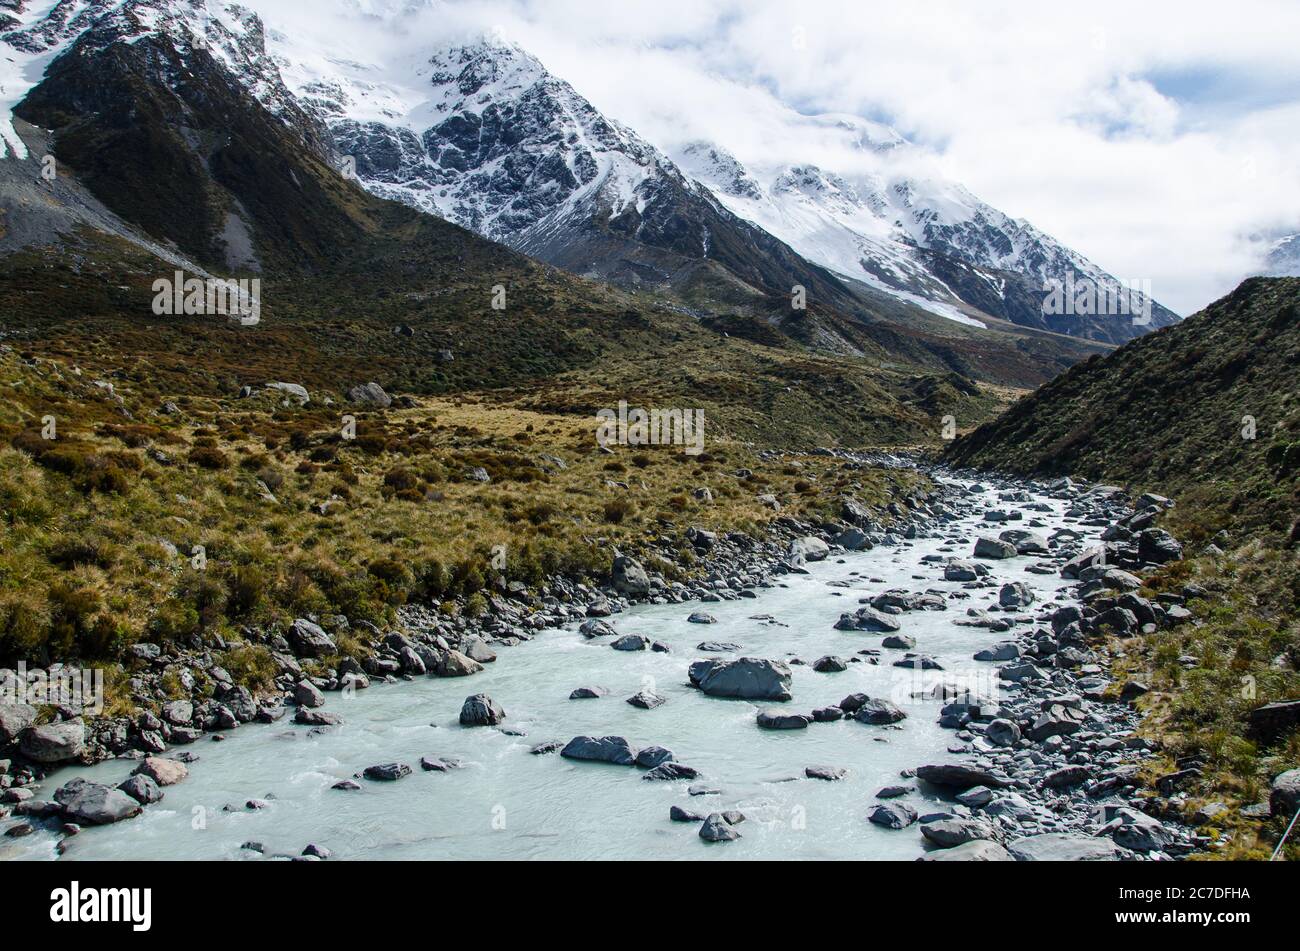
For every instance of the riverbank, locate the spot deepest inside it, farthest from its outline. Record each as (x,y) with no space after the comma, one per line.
(1043,795)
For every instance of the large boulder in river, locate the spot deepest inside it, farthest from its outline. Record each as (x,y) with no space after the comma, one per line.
(54,742)
(892,815)
(1015,595)
(629,578)
(94,804)
(776,720)
(867,618)
(481,710)
(879,712)
(986,547)
(746,678)
(310,640)
(961,571)
(600,749)
(717,829)
(1026,542)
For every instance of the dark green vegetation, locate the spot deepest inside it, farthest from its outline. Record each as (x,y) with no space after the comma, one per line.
(1170,413)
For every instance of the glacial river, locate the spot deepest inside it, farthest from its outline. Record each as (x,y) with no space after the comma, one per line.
(509,804)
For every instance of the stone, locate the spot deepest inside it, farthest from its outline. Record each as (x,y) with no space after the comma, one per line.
(830,665)
(976,797)
(651,756)
(1057,720)
(746,678)
(950,833)
(317,718)
(455,664)
(902,642)
(776,720)
(1284,794)
(481,710)
(588,693)
(827,773)
(808,548)
(441,764)
(370,394)
(960,776)
(892,815)
(307,694)
(1015,595)
(646,700)
(53,742)
(604,749)
(718,829)
(702,617)
(14,718)
(977,850)
(1066,776)
(1003,733)
(631,642)
(1273,720)
(671,772)
(961,571)
(165,772)
(310,640)
(867,618)
(678,814)
(994,548)
(629,577)
(142,789)
(1064,847)
(94,804)
(1157,546)
(387,772)
(879,713)
(1135,830)
(1006,650)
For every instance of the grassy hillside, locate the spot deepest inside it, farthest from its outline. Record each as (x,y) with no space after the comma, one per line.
(1173,413)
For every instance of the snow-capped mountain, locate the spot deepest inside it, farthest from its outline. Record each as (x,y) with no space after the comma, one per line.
(483,135)
(1283,258)
(924,239)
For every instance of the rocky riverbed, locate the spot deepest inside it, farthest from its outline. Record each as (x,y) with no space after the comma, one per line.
(928,687)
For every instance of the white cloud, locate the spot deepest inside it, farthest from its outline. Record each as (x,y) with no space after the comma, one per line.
(1154,137)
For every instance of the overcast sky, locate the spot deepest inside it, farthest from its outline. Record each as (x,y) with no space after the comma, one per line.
(1154,137)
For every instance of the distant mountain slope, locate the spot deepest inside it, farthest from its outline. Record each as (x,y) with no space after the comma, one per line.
(1173,411)
(925,240)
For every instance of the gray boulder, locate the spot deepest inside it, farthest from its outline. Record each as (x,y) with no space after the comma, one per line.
(14,718)
(603,749)
(94,804)
(960,776)
(481,710)
(747,678)
(54,742)
(879,712)
(310,640)
(977,850)
(718,829)
(995,548)
(1065,847)
(629,577)
(1284,794)
(142,789)
(892,815)
(370,394)
(775,720)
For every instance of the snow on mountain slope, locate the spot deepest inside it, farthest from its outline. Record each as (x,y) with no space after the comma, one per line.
(43,31)
(891,230)
(483,135)
(1283,258)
